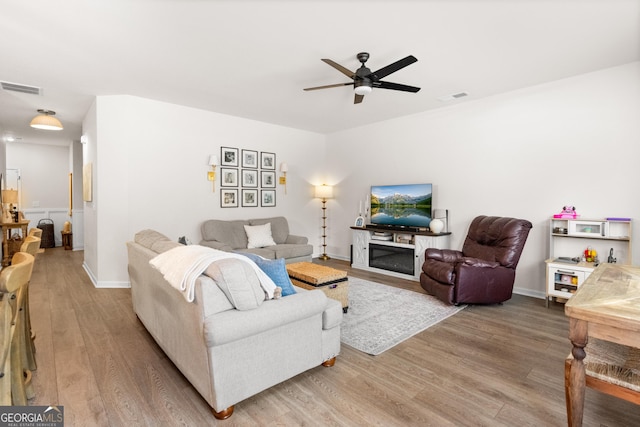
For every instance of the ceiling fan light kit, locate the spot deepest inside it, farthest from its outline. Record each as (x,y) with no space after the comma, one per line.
(363,89)
(364,80)
(45,120)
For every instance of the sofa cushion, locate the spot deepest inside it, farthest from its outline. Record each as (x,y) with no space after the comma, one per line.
(229,232)
(259,236)
(279,227)
(276,270)
(209,294)
(238,281)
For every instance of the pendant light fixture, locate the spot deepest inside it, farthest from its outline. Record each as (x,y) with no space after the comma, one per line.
(45,120)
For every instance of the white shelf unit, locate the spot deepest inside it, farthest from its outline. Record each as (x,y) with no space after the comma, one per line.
(415,244)
(568,238)
(564,279)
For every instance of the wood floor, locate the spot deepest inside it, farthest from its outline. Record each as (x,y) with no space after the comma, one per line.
(498,365)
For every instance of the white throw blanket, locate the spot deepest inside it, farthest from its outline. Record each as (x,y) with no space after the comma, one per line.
(182,265)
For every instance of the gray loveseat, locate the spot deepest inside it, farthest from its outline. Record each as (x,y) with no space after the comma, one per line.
(229,354)
(231,236)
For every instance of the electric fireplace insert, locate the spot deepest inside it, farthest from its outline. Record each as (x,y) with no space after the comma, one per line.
(392,258)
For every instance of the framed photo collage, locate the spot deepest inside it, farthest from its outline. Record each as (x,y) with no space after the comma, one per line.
(247,178)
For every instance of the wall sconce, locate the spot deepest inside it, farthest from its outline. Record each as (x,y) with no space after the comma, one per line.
(283,179)
(211,175)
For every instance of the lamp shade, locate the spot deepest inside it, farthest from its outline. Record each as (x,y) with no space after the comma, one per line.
(284,167)
(213,160)
(324,191)
(9,196)
(45,120)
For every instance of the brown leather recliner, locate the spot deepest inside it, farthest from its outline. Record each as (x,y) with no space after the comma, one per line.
(484,271)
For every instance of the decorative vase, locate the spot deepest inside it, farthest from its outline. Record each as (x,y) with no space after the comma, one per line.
(436,226)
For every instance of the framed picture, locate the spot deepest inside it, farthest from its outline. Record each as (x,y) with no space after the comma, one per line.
(249,159)
(268,179)
(228,198)
(228,177)
(249,178)
(86,182)
(228,156)
(249,198)
(268,198)
(268,160)
(359,222)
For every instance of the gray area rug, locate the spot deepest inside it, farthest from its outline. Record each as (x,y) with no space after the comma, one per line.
(381,316)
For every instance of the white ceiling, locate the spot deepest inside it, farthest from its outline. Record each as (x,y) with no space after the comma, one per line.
(253,58)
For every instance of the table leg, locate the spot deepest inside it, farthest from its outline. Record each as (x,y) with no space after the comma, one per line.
(5,248)
(577,382)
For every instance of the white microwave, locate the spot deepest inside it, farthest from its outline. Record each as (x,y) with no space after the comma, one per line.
(589,228)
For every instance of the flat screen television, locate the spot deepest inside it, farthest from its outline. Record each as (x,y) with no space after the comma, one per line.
(406,205)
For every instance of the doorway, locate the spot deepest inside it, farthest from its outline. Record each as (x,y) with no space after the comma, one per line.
(13,182)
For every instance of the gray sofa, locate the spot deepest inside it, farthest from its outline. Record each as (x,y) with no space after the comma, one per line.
(231,236)
(229,354)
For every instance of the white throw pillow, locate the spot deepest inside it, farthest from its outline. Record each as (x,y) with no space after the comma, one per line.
(259,236)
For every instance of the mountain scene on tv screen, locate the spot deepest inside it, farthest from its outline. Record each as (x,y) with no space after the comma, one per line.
(401,209)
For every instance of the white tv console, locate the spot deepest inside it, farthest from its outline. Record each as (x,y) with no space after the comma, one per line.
(398,254)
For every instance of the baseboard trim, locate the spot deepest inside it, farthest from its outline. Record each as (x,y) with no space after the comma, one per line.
(529,293)
(104,284)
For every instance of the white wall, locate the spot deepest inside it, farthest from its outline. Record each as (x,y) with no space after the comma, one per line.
(150,171)
(44,173)
(89,208)
(77,220)
(523,154)
(44,176)
(3,159)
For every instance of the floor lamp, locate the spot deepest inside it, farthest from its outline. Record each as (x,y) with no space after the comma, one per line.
(324,192)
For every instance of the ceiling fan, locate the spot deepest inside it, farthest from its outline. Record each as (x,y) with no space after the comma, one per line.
(364,80)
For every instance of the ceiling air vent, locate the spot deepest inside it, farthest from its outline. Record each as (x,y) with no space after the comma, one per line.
(17,87)
(453,96)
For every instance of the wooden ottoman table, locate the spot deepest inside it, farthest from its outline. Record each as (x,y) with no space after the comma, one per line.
(334,283)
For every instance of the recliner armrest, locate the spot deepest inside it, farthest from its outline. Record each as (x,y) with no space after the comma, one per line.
(476,262)
(444,255)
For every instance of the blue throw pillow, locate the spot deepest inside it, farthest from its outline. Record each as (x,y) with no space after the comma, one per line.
(276,270)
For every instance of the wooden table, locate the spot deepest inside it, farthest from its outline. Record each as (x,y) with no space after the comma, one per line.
(6,236)
(606,306)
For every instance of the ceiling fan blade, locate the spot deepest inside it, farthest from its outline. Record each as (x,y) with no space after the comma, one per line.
(358,98)
(328,86)
(340,68)
(395,86)
(392,68)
